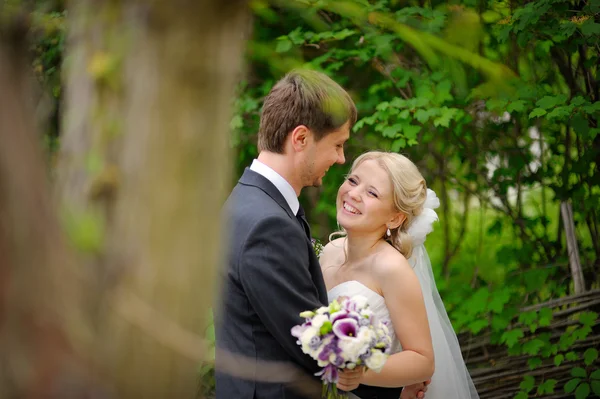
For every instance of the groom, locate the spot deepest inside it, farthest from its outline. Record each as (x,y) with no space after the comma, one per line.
(272,273)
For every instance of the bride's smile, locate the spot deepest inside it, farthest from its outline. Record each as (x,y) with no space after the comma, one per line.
(365,200)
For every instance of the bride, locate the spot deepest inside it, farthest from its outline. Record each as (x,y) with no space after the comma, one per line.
(386,210)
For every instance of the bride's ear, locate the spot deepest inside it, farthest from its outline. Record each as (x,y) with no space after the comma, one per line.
(396,221)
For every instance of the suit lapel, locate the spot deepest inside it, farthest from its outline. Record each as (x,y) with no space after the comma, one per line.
(251,178)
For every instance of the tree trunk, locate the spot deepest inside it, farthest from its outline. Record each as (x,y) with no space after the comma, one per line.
(41,321)
(142,177)
(144,166)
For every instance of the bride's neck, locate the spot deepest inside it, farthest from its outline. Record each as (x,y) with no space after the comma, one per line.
(360,245)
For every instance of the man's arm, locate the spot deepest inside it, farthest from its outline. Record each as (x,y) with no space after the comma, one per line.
(275,276)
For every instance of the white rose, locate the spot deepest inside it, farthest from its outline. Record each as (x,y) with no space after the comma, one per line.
(306,338)
(318,320)
(323,310)
(376,361)
(360,301)
(365,335)
(352,348)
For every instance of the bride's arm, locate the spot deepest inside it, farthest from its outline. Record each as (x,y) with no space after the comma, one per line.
(404,300)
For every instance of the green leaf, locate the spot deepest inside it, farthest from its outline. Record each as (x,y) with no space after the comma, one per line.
(547,387)
(521,395)
(578,101)
(477,325)
(572,384)
(283,44)
(560,112)
(343,34)
(410,131)
(447,114)
(582,391)
(422,115)
(534,362)
(544,317)
(398,144)
(595,375)
(580,124)
(528,318)
(382,106)
(537,113)
(516,106)
(590,109)
(499,299)
(527,384)
(596,388)
(578,372)
(558,359)
(548,102)
(590,355)
(477,303)
(500,322)
(390,131)
(589,28)
(588,318)
(571,356)
(533,347)
(496,104)
(511,337)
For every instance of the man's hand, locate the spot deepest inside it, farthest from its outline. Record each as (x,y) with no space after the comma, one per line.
(349,380)
(415,391)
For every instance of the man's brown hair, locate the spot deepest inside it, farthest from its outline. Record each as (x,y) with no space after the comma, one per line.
(303,97)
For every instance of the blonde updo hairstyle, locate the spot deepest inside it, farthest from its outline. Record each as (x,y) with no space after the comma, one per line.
(409,192)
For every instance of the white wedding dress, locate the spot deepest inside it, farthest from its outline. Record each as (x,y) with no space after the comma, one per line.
(451,379)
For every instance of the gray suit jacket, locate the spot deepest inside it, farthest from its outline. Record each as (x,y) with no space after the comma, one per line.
(272,274)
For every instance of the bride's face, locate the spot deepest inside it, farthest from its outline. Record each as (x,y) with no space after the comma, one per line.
(365,200)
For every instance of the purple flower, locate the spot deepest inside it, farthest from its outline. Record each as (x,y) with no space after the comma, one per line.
(342,314)
(328,349)
(345,328)
(314,343)
(329,374)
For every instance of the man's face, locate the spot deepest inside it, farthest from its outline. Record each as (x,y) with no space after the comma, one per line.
(321,155)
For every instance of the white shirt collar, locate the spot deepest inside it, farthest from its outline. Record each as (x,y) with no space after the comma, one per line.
(282,185)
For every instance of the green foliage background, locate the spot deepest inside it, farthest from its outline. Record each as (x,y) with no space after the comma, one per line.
(496,101)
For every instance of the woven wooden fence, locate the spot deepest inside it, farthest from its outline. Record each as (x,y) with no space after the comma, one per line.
(497,375)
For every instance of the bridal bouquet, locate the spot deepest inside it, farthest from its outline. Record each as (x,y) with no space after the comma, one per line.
(342,335)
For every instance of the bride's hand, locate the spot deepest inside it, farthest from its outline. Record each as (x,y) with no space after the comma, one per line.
(349,380)
(415,391)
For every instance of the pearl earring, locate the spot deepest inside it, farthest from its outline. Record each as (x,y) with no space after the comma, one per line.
(389,233)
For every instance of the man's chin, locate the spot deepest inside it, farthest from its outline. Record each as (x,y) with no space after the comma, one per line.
(318,182)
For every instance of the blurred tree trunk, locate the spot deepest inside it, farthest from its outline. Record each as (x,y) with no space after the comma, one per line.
(143,171)
(142,174)
(41,323)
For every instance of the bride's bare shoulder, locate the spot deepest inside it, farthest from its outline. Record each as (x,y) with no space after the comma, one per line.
(332,252)
(391,264)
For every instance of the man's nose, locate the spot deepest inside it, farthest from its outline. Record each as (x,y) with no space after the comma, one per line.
(341,159)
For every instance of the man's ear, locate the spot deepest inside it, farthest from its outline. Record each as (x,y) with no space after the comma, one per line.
(396,220)
(300,137)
